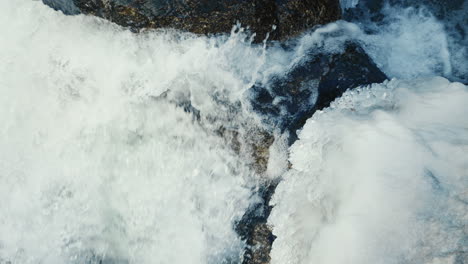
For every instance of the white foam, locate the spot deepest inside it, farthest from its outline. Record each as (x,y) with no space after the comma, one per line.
(93,166)
(409,43)
(379,177)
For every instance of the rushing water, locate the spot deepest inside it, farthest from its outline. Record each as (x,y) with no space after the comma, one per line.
(100,164)
(379,177)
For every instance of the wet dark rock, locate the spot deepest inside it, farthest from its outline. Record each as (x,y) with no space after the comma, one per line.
(289,17)
(254,230)
(288,101)
(260,149)
(347,70)
(66,6)
(310,86)
(255,143)
(439,8)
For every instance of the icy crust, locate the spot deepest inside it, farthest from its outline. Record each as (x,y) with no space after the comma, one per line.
(379,177)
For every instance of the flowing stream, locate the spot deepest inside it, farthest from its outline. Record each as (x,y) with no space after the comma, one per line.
(102,159)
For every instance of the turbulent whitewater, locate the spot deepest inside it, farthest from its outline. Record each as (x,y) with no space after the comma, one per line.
(379,177)
(104,159)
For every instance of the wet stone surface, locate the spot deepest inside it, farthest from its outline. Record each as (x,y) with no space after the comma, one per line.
(279,19)
(254,230)
(312,85)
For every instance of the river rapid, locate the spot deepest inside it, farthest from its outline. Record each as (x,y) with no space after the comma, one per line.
(100,162)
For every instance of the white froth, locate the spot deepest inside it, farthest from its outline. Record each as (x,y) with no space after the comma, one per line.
(379,177)
(406,44)
(97,165)
(410,43)
(94,167)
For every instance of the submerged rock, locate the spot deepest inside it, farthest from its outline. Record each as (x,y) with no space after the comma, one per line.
(279,19)
(288,101)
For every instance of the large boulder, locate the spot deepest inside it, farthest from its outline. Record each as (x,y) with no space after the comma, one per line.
(287,101)
(278,18)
